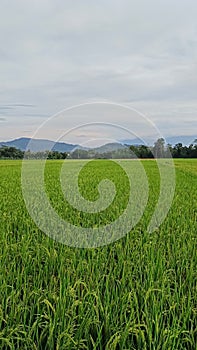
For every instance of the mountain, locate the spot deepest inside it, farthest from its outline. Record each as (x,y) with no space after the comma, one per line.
(38,145)
(134,142)
(185,140)
(108,147)
(173,140)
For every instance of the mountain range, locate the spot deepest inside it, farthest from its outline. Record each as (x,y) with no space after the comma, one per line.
(172,140)
(38,145)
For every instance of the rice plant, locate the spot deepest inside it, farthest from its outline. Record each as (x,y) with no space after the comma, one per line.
(137,293)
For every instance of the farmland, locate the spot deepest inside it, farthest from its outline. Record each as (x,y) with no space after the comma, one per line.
(139,292)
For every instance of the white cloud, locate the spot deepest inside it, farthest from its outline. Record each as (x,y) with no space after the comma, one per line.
(57,53)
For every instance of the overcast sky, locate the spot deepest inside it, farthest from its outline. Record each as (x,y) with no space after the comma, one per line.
(58,53)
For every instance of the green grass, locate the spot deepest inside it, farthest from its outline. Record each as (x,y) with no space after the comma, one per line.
(137,293)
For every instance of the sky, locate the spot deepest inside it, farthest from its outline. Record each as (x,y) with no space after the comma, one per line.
(55,54)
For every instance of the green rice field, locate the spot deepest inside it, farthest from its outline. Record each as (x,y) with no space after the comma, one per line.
(139,292)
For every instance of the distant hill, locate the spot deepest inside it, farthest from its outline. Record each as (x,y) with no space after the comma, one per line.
(173,140)
(134,142)
(38,145)
(185,140)
(109,147)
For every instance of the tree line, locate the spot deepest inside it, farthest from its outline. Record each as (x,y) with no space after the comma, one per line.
(158,150)
(14,153)
(161,150)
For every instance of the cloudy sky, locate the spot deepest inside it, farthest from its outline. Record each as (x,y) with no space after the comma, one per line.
(58,53)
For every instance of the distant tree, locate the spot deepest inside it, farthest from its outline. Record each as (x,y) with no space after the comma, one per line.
(57,155)
(178,150)
(193,149)
(64,155)
(141,151)
(159,148)
(11,152)
(144,152)
(80,154)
